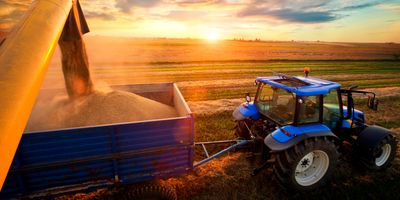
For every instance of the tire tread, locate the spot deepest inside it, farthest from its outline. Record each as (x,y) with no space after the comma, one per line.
(286,162)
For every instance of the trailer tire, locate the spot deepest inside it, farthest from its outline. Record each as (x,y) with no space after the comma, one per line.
(151,191)
(307,165)
(381,156)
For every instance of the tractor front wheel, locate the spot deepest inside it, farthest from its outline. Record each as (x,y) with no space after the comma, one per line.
(307,165)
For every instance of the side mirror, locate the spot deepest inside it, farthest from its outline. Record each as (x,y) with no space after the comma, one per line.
(373,103)
(248,98)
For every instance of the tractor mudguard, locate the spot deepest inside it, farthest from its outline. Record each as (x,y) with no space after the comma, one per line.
(287,136)
(370,137)
(246,110)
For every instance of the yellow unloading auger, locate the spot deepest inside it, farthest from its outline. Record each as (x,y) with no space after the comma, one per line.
(24,57)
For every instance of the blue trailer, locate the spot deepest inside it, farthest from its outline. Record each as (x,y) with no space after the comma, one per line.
(69,160)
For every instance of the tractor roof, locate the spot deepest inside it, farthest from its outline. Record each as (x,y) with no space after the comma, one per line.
(300,85)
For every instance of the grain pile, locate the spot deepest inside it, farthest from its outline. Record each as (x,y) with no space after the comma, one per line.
(96,109)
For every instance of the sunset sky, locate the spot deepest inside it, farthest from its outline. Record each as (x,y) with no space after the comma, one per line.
(325,20)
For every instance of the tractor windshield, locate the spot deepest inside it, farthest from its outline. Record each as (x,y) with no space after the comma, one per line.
(276,103)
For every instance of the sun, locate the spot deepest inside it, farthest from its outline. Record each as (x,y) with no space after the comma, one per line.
(212,36)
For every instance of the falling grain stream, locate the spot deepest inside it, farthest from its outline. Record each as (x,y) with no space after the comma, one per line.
(75,66)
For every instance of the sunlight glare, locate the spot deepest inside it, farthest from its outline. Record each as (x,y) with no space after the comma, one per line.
(212,35)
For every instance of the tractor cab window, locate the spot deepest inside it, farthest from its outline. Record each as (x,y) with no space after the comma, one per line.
(275,103)
(309,109)
(332,113)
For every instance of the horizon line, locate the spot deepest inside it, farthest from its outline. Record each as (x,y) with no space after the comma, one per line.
(239,39)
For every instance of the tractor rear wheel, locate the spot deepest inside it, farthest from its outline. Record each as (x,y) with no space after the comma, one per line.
(382,154)
(307,165)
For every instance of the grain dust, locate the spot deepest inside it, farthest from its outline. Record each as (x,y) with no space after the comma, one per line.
(87,105)
(96,109)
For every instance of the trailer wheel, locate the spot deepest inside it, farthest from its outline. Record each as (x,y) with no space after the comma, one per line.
(307,165)
(382,154)
(151,192)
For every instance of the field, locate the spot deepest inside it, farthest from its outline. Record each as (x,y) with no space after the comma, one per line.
(214,77)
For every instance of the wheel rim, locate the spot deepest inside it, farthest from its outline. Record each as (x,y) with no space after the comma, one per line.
(384,156)
(311,168)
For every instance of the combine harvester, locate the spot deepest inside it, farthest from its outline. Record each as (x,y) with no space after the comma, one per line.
(298,123)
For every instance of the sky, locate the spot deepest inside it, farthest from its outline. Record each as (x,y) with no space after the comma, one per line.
(299,20)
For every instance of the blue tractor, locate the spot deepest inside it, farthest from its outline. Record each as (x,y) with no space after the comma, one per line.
(301,123)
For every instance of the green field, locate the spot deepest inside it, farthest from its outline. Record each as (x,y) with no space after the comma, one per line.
(208,81)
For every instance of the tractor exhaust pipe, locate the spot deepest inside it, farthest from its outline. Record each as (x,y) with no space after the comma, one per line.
(306,71)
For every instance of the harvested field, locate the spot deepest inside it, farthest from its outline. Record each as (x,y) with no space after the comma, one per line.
(213,79)
(135,51)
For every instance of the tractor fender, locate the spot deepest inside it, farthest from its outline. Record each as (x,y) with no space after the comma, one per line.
(246,110)
(275,145)
(370,137)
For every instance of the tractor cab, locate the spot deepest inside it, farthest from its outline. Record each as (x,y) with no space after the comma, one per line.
(296,101)
(288,100)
